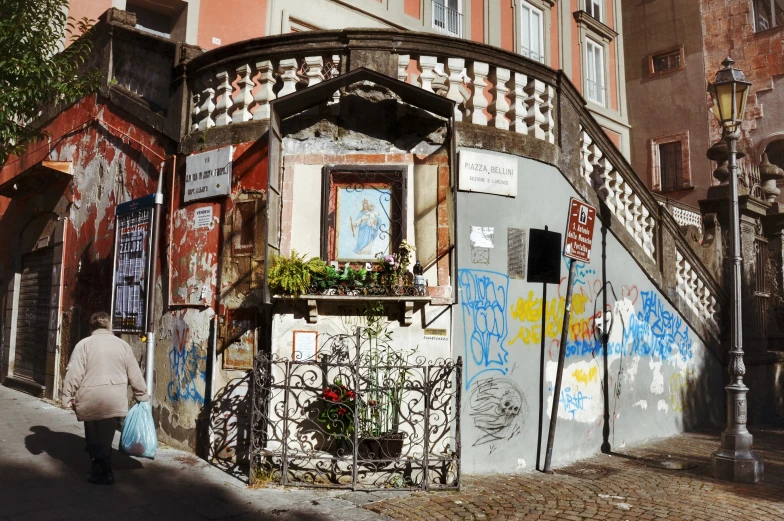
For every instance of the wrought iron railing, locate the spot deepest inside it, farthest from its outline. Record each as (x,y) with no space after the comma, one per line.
(360,416)
(447,20)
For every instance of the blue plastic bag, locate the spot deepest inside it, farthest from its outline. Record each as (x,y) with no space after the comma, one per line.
(138,436)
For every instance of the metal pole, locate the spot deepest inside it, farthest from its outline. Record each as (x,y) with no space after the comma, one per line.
(153,275)
(559,374)
(541,373)
(606,449)
(735,461)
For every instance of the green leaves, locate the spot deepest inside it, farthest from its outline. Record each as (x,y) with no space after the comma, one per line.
(35,70)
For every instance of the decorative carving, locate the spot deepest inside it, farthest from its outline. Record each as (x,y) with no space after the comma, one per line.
(770,174)
(244,97)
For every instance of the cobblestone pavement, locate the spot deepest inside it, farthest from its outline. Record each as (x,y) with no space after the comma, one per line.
(628,486)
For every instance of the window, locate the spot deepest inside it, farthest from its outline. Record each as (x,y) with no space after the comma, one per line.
(531,38)
(594,8)
(669,162)
(594,77)
(166,18)
(666,62)
(670,165)
(448,17)
(768,14)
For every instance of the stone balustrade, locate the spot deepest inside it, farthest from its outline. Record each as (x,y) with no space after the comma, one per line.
(695,293)
(484,94)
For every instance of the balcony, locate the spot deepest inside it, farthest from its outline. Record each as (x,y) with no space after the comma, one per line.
(447,20)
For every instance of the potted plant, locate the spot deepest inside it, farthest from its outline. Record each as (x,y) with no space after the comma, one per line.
(292,276)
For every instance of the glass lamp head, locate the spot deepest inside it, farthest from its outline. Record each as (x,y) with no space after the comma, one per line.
(729,90)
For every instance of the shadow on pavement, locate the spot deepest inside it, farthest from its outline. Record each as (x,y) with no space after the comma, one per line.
(50,483)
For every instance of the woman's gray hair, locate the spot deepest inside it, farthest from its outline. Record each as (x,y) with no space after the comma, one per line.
(100,320)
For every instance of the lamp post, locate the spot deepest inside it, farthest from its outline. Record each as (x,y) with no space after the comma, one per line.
(734,461)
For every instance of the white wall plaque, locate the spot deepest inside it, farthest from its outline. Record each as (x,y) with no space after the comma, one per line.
(202,217)
(487,173)
(208,174)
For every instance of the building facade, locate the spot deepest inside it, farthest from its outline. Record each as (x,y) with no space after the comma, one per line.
(340,145)
(582,37)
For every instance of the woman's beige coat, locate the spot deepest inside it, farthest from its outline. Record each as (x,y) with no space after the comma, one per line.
(97,377)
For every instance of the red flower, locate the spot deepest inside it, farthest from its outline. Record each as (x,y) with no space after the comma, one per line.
(331,395)
(342,411)
(350,395)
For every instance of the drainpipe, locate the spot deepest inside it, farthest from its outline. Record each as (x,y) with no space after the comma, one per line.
(156,230)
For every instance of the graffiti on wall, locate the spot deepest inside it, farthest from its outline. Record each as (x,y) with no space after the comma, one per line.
(498,409)
(188,377)
(484,305)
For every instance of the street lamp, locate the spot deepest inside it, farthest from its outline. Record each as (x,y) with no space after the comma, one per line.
(734,461)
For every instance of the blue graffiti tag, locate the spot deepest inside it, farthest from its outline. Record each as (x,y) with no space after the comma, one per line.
(653,331)
(573,402)
(186,374)
(484,303)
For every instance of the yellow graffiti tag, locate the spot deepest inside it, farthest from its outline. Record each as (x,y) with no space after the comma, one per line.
(583,377)
(529,312)
(678,388)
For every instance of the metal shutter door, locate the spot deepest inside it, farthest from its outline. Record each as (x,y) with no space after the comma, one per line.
(32,326)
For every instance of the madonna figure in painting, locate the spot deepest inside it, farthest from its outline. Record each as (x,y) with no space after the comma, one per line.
(366,227)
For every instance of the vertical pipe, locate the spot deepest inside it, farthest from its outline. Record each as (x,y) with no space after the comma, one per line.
(559,373)
(153,281)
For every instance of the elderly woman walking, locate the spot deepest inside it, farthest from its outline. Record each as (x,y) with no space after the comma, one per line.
(96,386)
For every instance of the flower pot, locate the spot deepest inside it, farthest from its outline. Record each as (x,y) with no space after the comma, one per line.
(386,446)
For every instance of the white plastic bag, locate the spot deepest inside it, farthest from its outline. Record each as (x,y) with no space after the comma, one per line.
(138,434)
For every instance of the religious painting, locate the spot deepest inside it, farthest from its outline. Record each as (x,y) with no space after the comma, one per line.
(362,223)
(364,214)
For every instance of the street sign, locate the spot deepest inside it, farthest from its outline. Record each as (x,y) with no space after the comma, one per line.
(132,257)
(208,174)
(544,257)
(579,231)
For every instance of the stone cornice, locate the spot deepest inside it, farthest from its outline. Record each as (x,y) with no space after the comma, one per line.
(594,26)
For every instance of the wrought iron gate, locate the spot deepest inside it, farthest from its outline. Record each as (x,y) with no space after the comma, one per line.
(359,416)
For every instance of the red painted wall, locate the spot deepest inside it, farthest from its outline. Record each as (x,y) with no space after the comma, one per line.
(478,21)
(507,26)
(412,7)
(226,21)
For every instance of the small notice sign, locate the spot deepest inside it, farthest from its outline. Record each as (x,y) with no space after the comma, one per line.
(208,174)
(202,217)
(579,231)
(488,173)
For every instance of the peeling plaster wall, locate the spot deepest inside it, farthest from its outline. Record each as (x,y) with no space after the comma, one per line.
(662,378)
(109,167)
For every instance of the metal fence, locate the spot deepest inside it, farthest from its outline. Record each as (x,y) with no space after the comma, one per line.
(361,415)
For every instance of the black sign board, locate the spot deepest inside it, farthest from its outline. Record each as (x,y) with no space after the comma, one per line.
(544,256)
(130,284)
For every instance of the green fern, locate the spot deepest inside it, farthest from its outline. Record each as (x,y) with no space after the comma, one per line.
(289,275)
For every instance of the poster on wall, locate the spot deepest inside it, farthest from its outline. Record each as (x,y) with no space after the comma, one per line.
(130,281)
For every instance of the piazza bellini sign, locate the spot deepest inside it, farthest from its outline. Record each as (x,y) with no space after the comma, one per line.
(487,173)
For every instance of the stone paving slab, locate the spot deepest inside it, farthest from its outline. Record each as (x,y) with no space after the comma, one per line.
(626,486)
(44,469)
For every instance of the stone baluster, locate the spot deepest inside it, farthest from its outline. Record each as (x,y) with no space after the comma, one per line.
(693,287)
(712,312)
(456,66)
(586,167)
(500,105)
(402,67)
(517,96)
(647,222)
(702,300)
(635,208)
(207,105)
(196,109)
(244,96)
(266,92)
(680,279)
(626,198)
(548,99)
(334,72)
(534,118)
(427,63)
(314,70)
(288,73)
(478,71)
(224,104)
(607,175)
